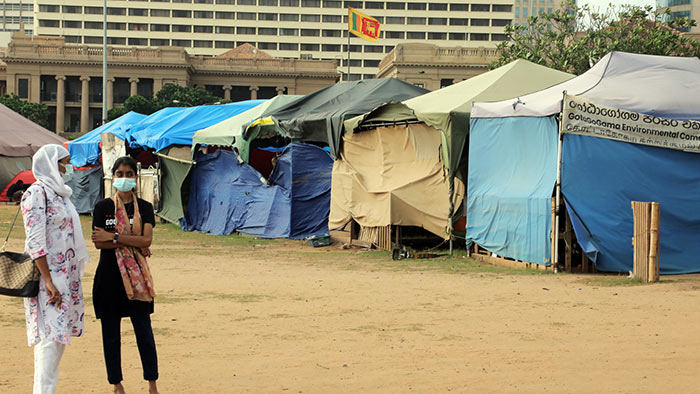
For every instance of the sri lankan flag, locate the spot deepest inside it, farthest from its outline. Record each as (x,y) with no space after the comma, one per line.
(362,25)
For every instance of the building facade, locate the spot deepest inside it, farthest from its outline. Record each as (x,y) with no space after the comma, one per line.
(433,67)
(285,28)
(68,78)
(14,11)
(682,9)
(524,9)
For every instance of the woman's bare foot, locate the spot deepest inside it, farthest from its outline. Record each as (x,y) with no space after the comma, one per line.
(119,389)
(152,389)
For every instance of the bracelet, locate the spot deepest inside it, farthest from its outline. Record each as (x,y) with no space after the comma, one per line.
(114,240)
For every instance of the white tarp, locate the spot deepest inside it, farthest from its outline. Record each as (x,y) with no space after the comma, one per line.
(638,83)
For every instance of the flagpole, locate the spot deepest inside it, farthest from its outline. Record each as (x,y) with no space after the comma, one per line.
(349,54)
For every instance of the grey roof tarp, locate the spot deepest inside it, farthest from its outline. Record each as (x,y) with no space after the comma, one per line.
(87,189)
(20,136)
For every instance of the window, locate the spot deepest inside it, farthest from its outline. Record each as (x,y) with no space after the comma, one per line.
(416,6)
(269,3)
(225,30)
(288,46)
(204,14)
(138,12)
(224,44)
(330,48)
(72,24)
(247,2)
(203,44)
(353,48)
(549,10)
(395,34)
(204,1)
(182,28)
(459,7)
(353,62)
(289,3)
(458,36)
(182,1)
(506,8)
(182,14)
(182,43)
(116,11)
(48,23)
(310,18)
(332,19)
(225,1)
(116,26)
(481,8)
(459,21)
(74,39)
(204,29)
(267,31)
(310,32)
(437,21)
(437,36)
(161,13)
(309,47)
(479,37)
(264,16)
(524,12)
(92,40)
(371,63)
(159,27)
(499,37)
(416,21)
(395,20)
(388,48)
(246,16)
(390,5)
(135,26)
(500,22)
(480,22)
(311,3)
(23,88)
(517,12)
(93,10)
(115,40)
(289,32)
(160,42)
(245,30)
(374,49)
(72,9)
(49,8)
(289,17)
(353,4)
(138,41)
(415,35)
(374,5)
(331,33)
(332,4)
(534,12)
(225,15)
(437,7)
(541,11)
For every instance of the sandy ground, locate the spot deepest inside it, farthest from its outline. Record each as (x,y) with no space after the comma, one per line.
(280,317)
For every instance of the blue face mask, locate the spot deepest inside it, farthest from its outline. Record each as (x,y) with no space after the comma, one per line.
(124,184)
(68,175)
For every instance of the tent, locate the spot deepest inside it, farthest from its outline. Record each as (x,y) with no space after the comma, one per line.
(86,149)
(391,169)
(87,188)
(514,154)
(26,177)
(20,138)
(226,194)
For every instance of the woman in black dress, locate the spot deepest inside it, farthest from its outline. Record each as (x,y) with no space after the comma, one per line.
(115,295)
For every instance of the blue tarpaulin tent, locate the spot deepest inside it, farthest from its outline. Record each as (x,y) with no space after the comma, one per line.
(228,195)
(86,149)
(600,177)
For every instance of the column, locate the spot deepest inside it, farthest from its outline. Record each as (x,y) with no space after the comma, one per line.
(227,92)
(35,88)
(157,85)
(85,104)
(110,93)
(280,90)
(134,86)
(60,103)
(254,92)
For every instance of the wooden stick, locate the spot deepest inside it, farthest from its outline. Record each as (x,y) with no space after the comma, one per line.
(653,272)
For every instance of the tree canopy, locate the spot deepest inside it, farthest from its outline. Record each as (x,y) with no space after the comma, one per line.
(170,95)
(36,112)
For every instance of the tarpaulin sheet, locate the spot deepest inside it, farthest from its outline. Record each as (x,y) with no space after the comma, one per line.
(20,137)
(173,174)
(87,189)
(227,196)
(512,172)
(600,179)
(179,127)
(86,149)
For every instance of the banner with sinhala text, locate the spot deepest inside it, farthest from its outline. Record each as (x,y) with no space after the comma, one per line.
(585,118)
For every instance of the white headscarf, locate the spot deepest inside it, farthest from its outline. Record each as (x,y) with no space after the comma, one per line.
(45,170)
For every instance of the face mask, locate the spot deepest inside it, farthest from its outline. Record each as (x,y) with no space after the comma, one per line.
(68,175)
(124,184)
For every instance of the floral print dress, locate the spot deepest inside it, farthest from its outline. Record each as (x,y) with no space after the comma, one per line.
(49,231)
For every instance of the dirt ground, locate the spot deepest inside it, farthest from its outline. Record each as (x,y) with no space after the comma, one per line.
(239,315)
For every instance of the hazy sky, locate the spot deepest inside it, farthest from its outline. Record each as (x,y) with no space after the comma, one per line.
(604,3)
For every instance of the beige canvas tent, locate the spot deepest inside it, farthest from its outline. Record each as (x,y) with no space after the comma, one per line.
(404,163)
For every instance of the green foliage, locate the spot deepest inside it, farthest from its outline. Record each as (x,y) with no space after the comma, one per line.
(36,112)
(573,38)
(170,96)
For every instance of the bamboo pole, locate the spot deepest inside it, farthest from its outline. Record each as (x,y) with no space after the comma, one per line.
(653,273)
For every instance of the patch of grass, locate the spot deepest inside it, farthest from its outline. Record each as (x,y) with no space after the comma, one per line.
(169,299)
(240,298)
(244,318)
(280,316)
(162,331)
(611,281)
(559,324)
(169,233)
(364,328)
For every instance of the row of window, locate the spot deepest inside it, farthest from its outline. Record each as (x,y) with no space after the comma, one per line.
(534,1)
(75,9)
(534,11)
(27,20)
(15,7)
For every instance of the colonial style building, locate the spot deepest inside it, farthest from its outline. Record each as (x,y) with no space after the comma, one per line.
(68,78)
(434,67)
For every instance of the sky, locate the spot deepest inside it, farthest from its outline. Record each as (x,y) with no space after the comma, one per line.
(604,3)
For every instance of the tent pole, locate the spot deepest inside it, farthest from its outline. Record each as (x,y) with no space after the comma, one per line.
(557,193)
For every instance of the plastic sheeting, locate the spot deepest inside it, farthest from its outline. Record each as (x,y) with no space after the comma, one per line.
(600,178)
(87,189)
(20,137)
(227,196)
(172,174)
(86,149)
(512,172)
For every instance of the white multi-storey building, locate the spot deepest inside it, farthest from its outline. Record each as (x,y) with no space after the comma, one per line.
(14,11)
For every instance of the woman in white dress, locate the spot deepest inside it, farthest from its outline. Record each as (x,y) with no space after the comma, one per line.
(54,240)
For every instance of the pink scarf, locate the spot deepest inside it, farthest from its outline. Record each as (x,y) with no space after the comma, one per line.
(133,266)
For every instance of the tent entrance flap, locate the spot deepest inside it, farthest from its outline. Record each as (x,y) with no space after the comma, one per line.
(174,172)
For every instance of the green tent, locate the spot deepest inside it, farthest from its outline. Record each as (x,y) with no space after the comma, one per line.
(227,132)
(174,166)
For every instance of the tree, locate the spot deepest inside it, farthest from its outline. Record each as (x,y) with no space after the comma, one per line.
(137,103)
(36,112)
(169,96)
(574,38)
